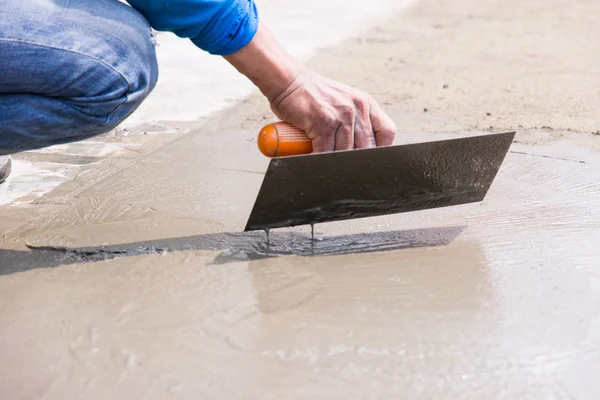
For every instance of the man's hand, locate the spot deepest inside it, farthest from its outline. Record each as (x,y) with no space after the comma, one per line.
(335,116)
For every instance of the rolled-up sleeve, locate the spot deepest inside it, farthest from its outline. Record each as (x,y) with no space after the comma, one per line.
(220,27)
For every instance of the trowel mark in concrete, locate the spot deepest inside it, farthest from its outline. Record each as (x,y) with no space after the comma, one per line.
(234,247)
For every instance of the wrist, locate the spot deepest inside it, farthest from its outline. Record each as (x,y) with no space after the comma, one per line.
(266,64)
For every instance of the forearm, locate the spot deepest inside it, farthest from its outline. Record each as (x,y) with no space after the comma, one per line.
(266,63)
(229,28)
(333,115)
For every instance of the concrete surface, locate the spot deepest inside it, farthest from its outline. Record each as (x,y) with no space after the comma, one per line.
(156,295)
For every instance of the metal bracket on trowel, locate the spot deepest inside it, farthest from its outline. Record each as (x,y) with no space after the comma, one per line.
(312,188)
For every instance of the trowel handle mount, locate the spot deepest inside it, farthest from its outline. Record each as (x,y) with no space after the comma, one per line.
(281,139)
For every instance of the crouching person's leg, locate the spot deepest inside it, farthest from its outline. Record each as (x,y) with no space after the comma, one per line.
(70,70)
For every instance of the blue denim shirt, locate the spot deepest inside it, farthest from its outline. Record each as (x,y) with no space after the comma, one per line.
(219,27)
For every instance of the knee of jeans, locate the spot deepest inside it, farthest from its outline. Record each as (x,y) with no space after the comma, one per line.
(138,66)
(114,93)
(141,81)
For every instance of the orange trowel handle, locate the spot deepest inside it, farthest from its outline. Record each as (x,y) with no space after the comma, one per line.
(282,139)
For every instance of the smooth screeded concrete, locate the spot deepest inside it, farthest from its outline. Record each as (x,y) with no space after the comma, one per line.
(154,294)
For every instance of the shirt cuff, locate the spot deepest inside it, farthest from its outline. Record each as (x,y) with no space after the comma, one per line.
(230,30)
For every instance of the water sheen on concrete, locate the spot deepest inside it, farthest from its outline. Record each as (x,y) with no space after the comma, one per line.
(463,302)
(142,286)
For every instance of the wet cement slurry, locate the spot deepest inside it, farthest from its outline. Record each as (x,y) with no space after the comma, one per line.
(498,297)
(152,292)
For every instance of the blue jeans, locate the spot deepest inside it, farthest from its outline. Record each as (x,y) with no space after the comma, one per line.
(70,70)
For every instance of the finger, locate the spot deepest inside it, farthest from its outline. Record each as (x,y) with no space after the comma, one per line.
(344,137)
(321,130)
(363,130)
(384,128)
(323,140)
(344,134)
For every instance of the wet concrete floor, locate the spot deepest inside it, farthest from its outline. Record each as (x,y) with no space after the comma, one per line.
(463,302)
(142,286)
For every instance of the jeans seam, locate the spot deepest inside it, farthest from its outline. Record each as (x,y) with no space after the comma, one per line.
(99,61)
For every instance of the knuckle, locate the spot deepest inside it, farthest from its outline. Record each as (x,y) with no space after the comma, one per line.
(364,104)
(330,118)
(346,113)
(365,98)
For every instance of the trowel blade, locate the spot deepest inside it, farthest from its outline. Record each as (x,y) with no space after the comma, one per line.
(325,187)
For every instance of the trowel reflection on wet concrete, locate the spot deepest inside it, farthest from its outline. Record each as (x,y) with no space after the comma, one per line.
(381,289)
(234,247)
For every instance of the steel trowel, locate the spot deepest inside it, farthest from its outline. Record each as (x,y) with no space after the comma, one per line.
(301,187)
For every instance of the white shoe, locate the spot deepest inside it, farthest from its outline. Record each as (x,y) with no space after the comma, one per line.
(5,167)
